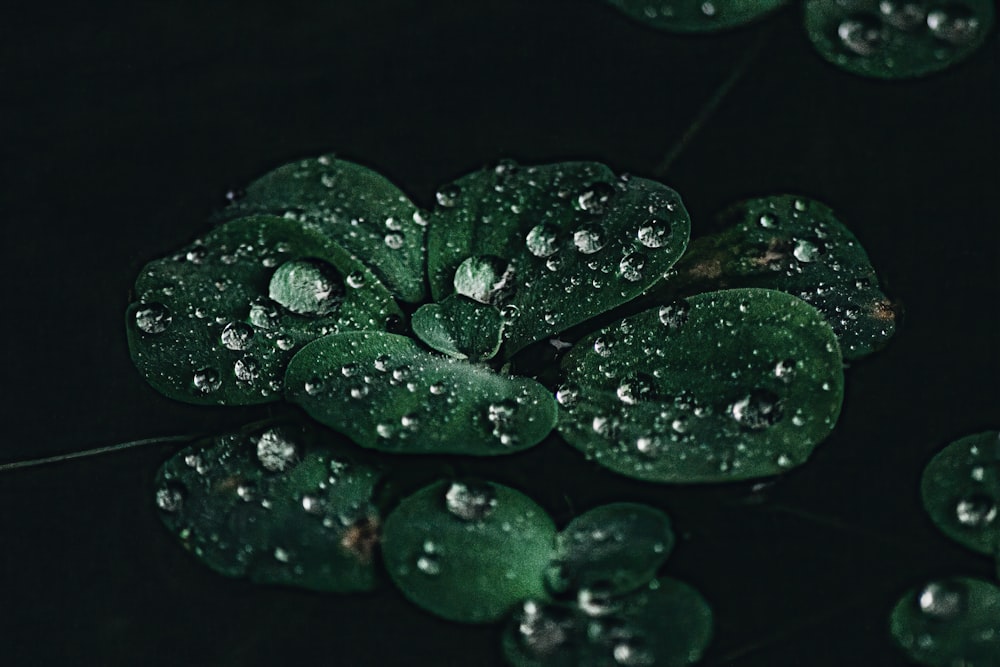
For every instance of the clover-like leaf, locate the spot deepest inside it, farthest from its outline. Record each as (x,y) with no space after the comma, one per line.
(553,245)
(385,392)
(895,39)
(353,206)
(279,505)
(961,491)
(611,549)
(694,16)
(460,327)
(950,622)
(468,551)
(798,246)
(218,321)
(721,386)
(667,624)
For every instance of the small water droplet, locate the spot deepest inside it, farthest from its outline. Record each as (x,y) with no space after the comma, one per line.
(567,395)
(806,251)
(429,564)
(470,501)
(953,23)
(675,314)
(153,318)
(275,451)
(784,369)
(448,195)
(768,220)
(631,266)
(394,240)
(246,369)
(943,600)
(596,600)
(760,409)
(861,34)
(264,314)
(976,510)
(655,233)
(589,239)
(207,380)
(355,279)
(902,14)
(595,199)
(237,336)
(639,387)
(543,240)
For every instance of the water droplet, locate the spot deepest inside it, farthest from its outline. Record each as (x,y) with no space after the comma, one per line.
(760,409)
(861,34)
(595,198)
(655,233)
(207,380)
(901,14)
(567,395)
(976,510)
(153,318)
(237,336)
(639,387)
(394,240)
(589,239)
(630,652)
(806,251)
(953,23)
(470,501)
(785,369)
(943,600)
(542,631)
(307,287)
(314,385)
(275,451)
(510,313)
(264,314)
(169,498)
(543,240)
(602,346)
(484,278)
(768,220)
(631,266)
(429,565)
(674,315)
(448,195)
(281,555)
(596,600)
(246,369)
(355,279)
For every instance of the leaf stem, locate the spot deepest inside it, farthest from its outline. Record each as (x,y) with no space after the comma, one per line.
(86,453)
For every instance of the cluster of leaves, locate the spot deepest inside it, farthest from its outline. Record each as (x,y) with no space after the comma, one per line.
(886,39)
(954,621)
(444,332)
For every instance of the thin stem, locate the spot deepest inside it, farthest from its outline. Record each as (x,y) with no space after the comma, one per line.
(121,446)
(713,102)
(904,543)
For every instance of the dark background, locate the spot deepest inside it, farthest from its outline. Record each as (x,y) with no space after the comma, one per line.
(124,126)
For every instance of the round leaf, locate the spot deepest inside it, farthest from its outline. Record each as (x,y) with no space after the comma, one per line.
(797,246)
(460,327)
(896,39)
(611,549)
(218,321)
(961,491)
(554,245)
(468,551)
(722,386)
(950,622)
(353,206)
(667,624)
(278,505)
(383,391)
(692,16)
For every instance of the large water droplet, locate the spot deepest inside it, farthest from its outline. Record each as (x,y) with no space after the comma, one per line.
(943,600)
(543,240)
(758,410)
(631,266)
(448,195)
(675,314)
(275,451)
(953,23)
(596,198)
(237,335)
(307,287)
(264,314)
(207,380)
(976,510)
(655,233)
(484,278)
(639,387)
(861,34)
(589,239)
(169,498)
(902,14)
(152,318)
(806,251)
(246,369)
(470,501)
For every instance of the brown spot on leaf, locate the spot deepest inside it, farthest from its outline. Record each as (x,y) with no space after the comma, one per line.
(361,538)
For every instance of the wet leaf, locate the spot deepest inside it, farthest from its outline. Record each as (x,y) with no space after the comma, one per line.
(554,245)
(722,386)
(896,39)
(667,624)
(611,549)
(961,491)
(278,505)
(950,622)
(383,391)
(218,321)
(460,327)
(795,245)
(354,207)
(694,16)
(468,551)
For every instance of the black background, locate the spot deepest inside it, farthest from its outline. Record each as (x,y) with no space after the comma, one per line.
(124,126)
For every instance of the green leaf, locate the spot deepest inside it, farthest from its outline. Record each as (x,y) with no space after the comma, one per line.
(278,505)
(353,206)
(612,549)
(722,386)
(961,491)
(554,245)
(468,551)
(218,321)
(795,245)
(693,16)
(950,622)
(667,624)
(460,327)
(897,39)
(383,391)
